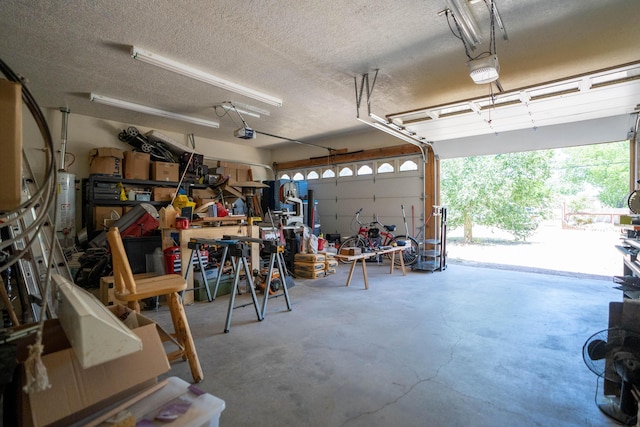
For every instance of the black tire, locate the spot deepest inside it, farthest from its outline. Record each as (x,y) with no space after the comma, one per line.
(409,255)
(353,241)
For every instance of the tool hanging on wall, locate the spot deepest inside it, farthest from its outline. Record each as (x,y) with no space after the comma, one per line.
(404,218)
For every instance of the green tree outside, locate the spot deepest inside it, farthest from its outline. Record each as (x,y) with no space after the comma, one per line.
(508,191)
(603,167)
(515,192)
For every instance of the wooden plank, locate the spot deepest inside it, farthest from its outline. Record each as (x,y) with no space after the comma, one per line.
(377,153)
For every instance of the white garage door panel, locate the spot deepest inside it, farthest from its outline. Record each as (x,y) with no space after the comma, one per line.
(383,195)
(609,129)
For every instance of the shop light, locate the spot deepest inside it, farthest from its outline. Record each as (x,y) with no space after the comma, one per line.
(194,73)
(113,102)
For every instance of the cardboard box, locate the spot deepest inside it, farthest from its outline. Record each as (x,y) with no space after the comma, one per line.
(203,193)
(105,161)
(350,251)
(10,144)
(244,174)
(165,171)
(162,194)
(76,393)
(136,165)
(104,216)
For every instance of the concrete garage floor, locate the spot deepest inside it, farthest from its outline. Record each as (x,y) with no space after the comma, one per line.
(469,346)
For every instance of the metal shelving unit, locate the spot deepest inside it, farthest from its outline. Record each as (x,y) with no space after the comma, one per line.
(432,253)
(98,190)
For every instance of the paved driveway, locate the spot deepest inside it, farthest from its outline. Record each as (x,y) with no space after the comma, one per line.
(589,252)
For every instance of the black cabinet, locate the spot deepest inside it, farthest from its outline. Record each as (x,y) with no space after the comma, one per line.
(102,201)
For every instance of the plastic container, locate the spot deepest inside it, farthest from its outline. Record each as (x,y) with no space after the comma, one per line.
(182,223)
(155,262)
(204,409)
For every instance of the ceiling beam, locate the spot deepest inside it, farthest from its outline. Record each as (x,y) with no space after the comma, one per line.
(357,156)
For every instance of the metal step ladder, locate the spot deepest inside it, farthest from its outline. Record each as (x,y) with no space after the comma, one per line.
(33,246)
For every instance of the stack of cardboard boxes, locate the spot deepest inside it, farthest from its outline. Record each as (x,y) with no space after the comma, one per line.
(236,172)
(131,165)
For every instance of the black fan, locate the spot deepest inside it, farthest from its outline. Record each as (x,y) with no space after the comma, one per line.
(614,355)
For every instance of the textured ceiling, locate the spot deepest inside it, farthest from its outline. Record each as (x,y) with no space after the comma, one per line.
(307,53)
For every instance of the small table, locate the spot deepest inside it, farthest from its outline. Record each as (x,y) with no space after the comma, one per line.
(363,260)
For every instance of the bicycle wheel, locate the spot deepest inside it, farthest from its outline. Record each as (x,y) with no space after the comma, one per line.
(354,241)
(409,255)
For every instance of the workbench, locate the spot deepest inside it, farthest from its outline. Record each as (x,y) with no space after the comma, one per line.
(185,235)
(363,261)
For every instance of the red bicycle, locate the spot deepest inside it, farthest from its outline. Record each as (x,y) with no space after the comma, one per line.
(376,235)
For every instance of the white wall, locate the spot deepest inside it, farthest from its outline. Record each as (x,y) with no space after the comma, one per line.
(85,133)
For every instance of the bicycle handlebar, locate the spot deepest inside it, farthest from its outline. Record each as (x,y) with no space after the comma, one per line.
(372,223)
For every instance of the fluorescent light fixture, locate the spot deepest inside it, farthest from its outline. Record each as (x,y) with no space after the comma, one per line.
(393,131)
(194,73)
(231,107)
(498,20)
(464,18)
(150,110)
(484,70)
(248,107)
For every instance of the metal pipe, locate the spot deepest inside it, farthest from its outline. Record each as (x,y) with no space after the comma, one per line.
(63,146)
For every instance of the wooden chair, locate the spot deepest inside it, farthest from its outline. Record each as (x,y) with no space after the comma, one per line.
(132,290)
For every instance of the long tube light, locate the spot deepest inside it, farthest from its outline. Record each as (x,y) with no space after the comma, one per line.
(194,73)
(150,110)
(231,107)
(468,25)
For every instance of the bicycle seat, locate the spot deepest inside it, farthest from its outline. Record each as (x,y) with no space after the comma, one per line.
(390,227)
